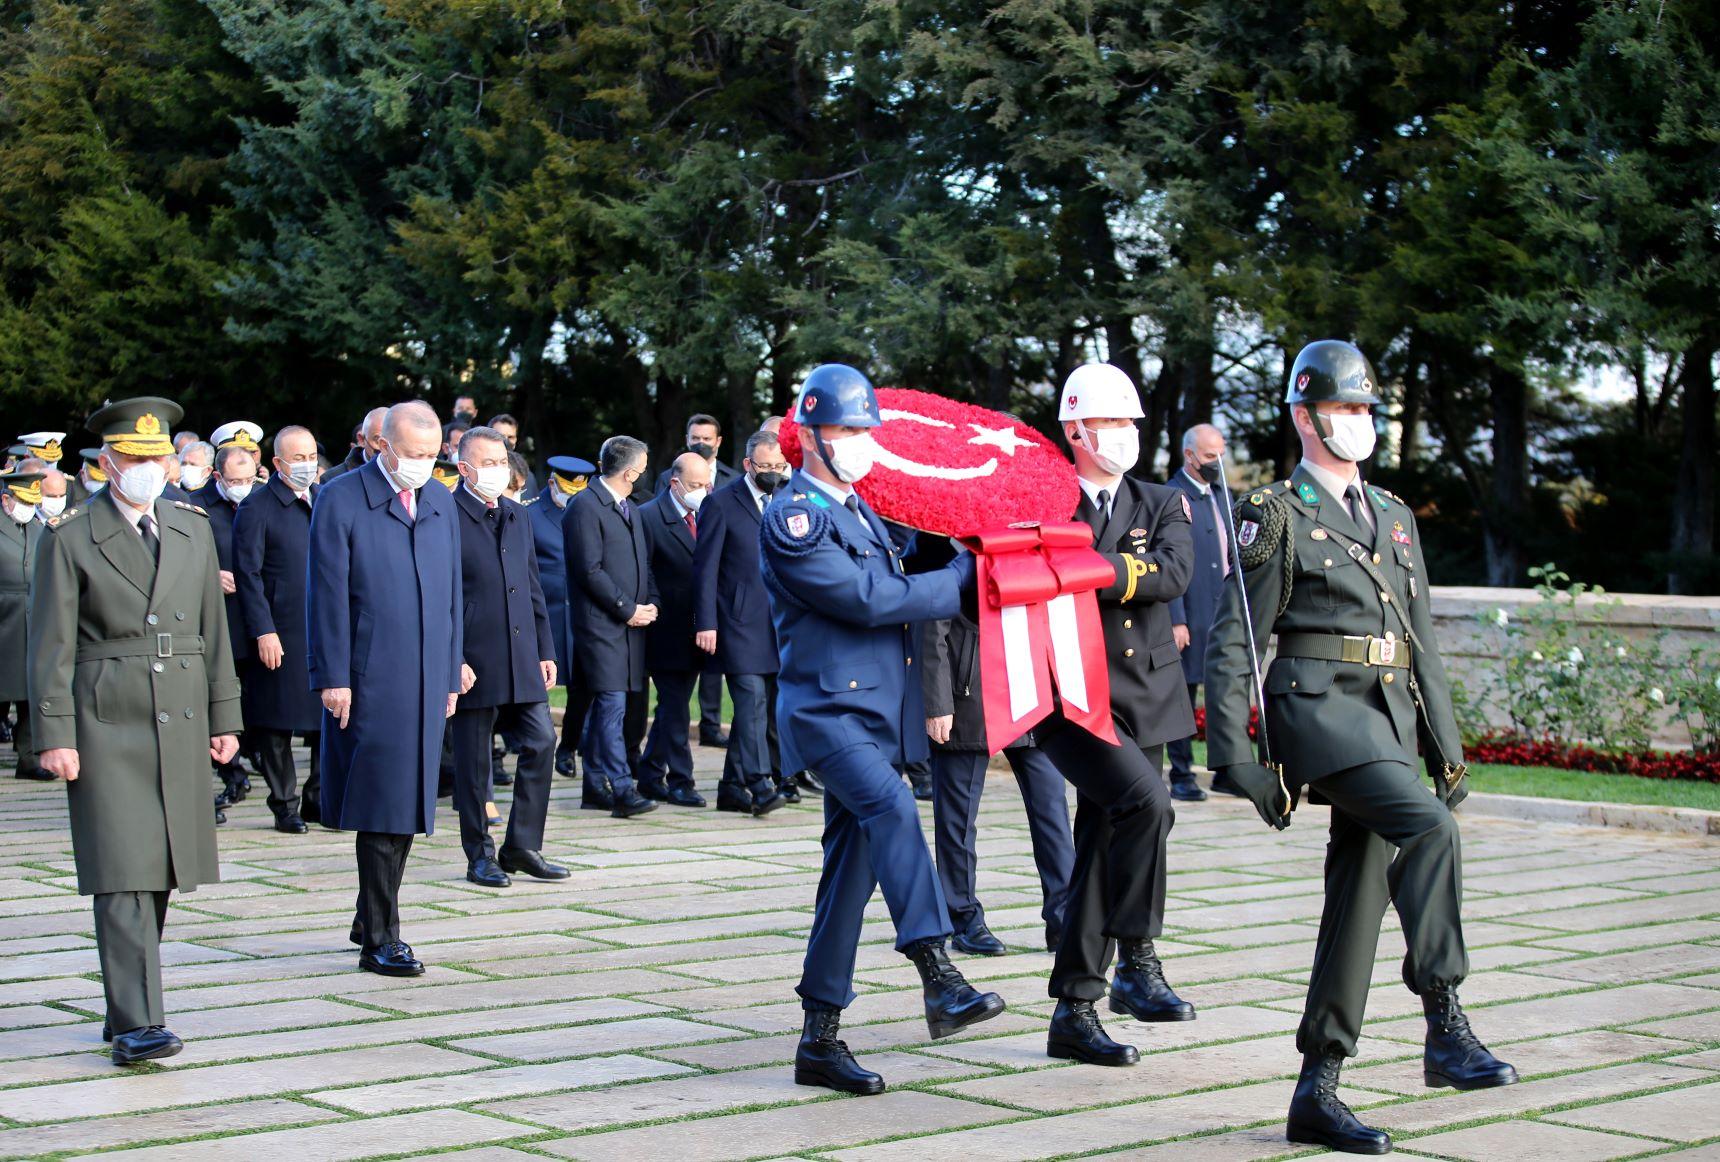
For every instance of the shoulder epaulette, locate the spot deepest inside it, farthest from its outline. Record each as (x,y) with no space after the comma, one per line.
(55,522)
(1387,493)
(189,507)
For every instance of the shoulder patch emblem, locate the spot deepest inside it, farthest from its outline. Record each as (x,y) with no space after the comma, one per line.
(1247,533)
(799,524)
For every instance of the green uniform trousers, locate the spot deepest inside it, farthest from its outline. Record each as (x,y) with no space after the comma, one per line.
(128,940)
(1376,808)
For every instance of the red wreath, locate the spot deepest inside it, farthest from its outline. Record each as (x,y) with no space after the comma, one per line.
(978,469)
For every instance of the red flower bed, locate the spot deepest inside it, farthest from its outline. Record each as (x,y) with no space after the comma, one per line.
(956,469)
(1508,750)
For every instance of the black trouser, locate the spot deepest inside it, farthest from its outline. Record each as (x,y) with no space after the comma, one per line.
(21,740)
(573,719)
(1376,808)
(1181,750)
(1123,818)
(275,756)
(633,723)
(668,758)
(710,703)
(381,866)
(528,723)
(958,778)
(128,941)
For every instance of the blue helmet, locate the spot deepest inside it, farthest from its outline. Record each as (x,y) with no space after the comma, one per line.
(837,395)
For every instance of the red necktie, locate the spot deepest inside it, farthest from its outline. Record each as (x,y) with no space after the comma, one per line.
(692,528)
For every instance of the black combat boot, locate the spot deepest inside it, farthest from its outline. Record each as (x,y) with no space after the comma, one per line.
(1319,1117)
(1139,990)
(951,1003)
(1077,1035)
(822,1059)
(1455,1058)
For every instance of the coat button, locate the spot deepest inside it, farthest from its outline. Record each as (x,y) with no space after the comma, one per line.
(1128,653)
(158,667)
(1376,558)
(1387,679)
(152,619)
(162,717)
(1385,597)
(188,713)
(45,706)
(184,663)
(853,685)
(511,589)
(1328,562)
(516,631)
(177,616)
(910,661)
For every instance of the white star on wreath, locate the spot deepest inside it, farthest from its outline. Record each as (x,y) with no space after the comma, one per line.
(1003,438)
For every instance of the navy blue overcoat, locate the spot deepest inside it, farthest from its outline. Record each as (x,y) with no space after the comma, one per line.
(1197,607)
(552,575)
(221,513)
(271,548)
(608,578)
(505,625)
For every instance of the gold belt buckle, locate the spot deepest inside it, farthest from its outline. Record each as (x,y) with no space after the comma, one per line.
(1381,651)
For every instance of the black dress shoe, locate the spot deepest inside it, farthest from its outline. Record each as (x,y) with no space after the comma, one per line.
(822,1059)
(952,1004)
(978,940)
(1139,987)
(652,790)
(485,872)
(1223,784)
(718,737)
(35,773)
(220,817)
(811,782)
(631,804)
(733,798)
(600,798)
(767,799)
(393,959)
(1454,1057)
(290,824)
(1077,1035)
(921,782)
(1188,791)
(785,786)
(150,1043)
(1318,1117)
(564,763)
(531,863)
(107,1030)
(684,797)
(238,788)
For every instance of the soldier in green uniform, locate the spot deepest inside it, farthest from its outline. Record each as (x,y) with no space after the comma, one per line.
(1335,568)
(20,530)
(132,692)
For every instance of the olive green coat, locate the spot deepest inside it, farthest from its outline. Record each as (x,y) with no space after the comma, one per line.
(1325,716)
(17,556)
(101,614)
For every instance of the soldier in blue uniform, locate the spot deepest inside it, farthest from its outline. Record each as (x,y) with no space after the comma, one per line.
(845,613)
(568,476)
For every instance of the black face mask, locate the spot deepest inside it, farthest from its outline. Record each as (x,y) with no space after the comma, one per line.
(708,451)
(769,482)
(1209,472)
(467,418)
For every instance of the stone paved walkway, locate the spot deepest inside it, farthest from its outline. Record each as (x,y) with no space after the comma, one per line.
(646,1009)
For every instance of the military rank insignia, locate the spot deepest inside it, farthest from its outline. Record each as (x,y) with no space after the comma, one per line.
(1307,493)
(1398,534)
(1247,533)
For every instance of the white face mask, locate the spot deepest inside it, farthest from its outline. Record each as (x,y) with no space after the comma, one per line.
(412,474)
(692,498)
(141,483)
(852,457)
(23,513)
(234,492)
(301,475)
(53,506)
(1352,437)
(559,498)
(491,482)
(193,476)
(1114,450)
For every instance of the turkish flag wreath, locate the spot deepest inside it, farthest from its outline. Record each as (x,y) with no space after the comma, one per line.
(1005,492)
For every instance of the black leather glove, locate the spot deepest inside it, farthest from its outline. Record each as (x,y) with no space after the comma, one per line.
(1451,784)
(1266,790)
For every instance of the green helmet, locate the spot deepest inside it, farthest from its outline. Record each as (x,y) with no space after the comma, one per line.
(1331,370)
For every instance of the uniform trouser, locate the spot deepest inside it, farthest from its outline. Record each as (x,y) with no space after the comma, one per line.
(710,703)
(275,756)
(871,839)
(21,739)
(528,723)
(1123,818)
(958,778)
(749,757)
(381,867)
(128,941)
(604,747)
(668,748)
(1377,807)
(1181,750)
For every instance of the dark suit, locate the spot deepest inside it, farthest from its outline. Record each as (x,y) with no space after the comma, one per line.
(671,657)
(1123,812)
(221,514)
(271,552)
(729,596)
(506,629)
(1199,606)
(354,459)
(608,578)
(710,679)
(383,614)
(951,682)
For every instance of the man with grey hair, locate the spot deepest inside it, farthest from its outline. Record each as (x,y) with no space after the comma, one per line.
(385,645)
(1192,613)
(367,442)
(196,462)
(611,599)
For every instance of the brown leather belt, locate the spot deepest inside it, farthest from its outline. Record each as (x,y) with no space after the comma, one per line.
(1334,647)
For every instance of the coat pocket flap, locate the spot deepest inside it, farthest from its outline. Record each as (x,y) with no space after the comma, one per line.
(836,679)
(1304,676)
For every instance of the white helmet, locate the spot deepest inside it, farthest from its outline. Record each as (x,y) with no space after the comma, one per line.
(1098,391)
